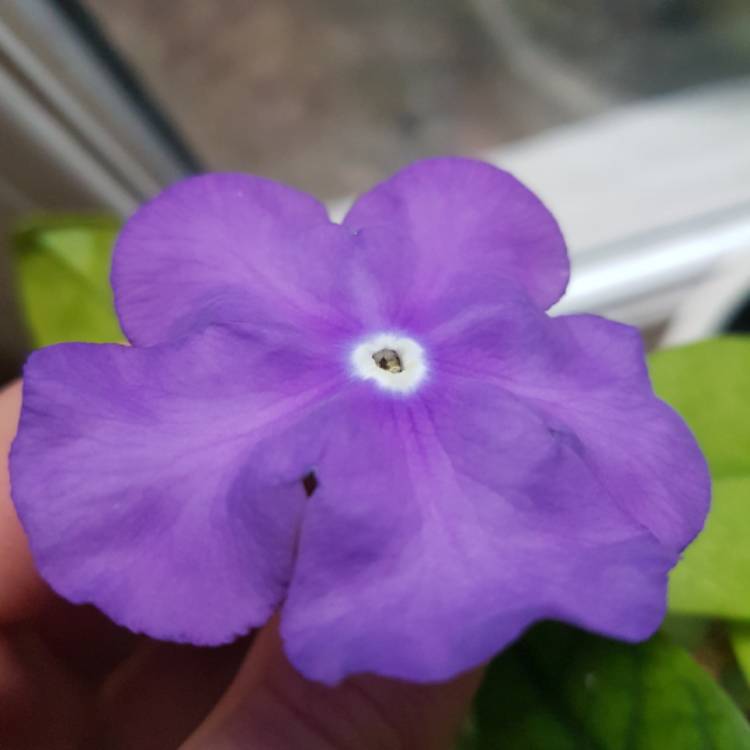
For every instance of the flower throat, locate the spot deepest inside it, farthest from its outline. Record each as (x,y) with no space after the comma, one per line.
(388,360)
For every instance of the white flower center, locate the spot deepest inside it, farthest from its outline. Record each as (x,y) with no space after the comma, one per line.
(394,362)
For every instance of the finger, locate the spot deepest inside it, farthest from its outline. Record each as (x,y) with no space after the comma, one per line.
(41,704)
(82,638)
(156,698)
(270,705)
(86,641)
(22,591)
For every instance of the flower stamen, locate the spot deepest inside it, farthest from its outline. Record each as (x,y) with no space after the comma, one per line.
(395,362)
(388,360)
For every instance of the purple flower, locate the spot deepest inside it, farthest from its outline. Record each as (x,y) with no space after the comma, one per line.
(480,465)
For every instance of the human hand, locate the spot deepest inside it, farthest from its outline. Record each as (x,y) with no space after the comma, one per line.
(69,678)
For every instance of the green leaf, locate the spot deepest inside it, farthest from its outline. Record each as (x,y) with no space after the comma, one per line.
(712,578)
(739,635)
(562,689)
(708,383)
(62,269)
(686,631)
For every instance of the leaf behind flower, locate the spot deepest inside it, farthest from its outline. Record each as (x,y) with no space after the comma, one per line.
(62,270)
(708,383)
(559,688)
(712,578)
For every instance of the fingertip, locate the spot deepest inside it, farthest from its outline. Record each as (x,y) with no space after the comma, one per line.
(22,591)
(270,704)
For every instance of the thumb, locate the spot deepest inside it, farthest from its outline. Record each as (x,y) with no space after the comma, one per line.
(270,705)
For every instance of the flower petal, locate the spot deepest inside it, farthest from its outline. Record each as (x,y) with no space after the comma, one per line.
(645,455)
(587,375)
(162,484)
(220,248)
(443,526)
(377,280)
(467,215)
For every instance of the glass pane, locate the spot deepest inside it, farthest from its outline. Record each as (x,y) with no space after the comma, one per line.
(332,94)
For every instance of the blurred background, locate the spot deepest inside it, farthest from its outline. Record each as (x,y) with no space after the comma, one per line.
(631,118)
